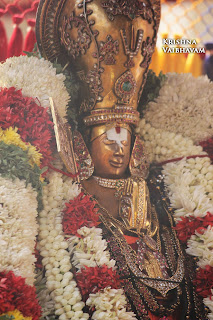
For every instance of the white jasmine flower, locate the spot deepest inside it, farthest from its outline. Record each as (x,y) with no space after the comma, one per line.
(60,284)
(110,304)
(180,108)
(187,195)
(200,245)
(90,250)
(37,78)
(18,228)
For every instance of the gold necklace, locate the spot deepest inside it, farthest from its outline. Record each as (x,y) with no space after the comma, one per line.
(162,285)
(109,183)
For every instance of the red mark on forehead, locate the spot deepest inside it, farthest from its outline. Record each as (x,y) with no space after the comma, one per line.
(118,129)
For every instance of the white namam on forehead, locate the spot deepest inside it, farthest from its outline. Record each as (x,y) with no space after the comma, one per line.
(117,136)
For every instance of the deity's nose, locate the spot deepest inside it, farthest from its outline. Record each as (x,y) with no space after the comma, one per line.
(119,151)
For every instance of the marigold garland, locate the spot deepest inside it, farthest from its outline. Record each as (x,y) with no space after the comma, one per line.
(16,294)
(14,315)
(10,136)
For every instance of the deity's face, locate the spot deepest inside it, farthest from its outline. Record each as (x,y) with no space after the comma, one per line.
(110,153)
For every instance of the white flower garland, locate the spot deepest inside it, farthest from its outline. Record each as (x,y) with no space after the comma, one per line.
(90,250)
(184,106)
(37,79)
(109,305)
(190,192)
(18,228)
(52,245)
(200,245)
(163,145)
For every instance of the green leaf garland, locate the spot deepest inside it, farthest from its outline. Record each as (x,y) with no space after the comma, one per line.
(151,89)
(14,163)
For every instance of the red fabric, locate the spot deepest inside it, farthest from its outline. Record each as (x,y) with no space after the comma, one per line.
(30,40)
(16,43)
(3,42)
(131,240)
(14,8)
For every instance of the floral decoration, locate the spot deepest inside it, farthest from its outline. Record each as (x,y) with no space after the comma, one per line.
(204,281)
(18,209)
(37,78)
(74,216)
(89,249)
(68,237)
(172,139)
(14,315)
(15,164)
(181,103)
(187,226)
(10,136)
(109,304)
(85,246)
(16,294)
(33,121)
(93,279)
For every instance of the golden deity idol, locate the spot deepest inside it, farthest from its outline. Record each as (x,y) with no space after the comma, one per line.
(109,45)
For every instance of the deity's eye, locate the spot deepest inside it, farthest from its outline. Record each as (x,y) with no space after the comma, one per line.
(125,143)
(109,142)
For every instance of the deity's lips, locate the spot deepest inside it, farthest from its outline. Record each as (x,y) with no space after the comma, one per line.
(116,164)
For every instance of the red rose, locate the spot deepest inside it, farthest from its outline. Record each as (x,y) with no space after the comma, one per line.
(204,281)
(93,279)
(78,213)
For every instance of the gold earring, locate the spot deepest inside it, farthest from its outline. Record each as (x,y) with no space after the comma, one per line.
(139,165)
(83,158)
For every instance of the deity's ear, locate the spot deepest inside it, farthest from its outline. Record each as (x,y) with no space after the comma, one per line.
(82,155)
(139,165)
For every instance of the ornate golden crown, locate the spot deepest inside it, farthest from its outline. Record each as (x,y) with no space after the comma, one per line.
(109,44)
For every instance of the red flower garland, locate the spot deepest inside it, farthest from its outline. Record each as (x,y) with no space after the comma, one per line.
(93,279)
(188,225)
(16,294)
(32,120)
(204,281)
(78,213)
